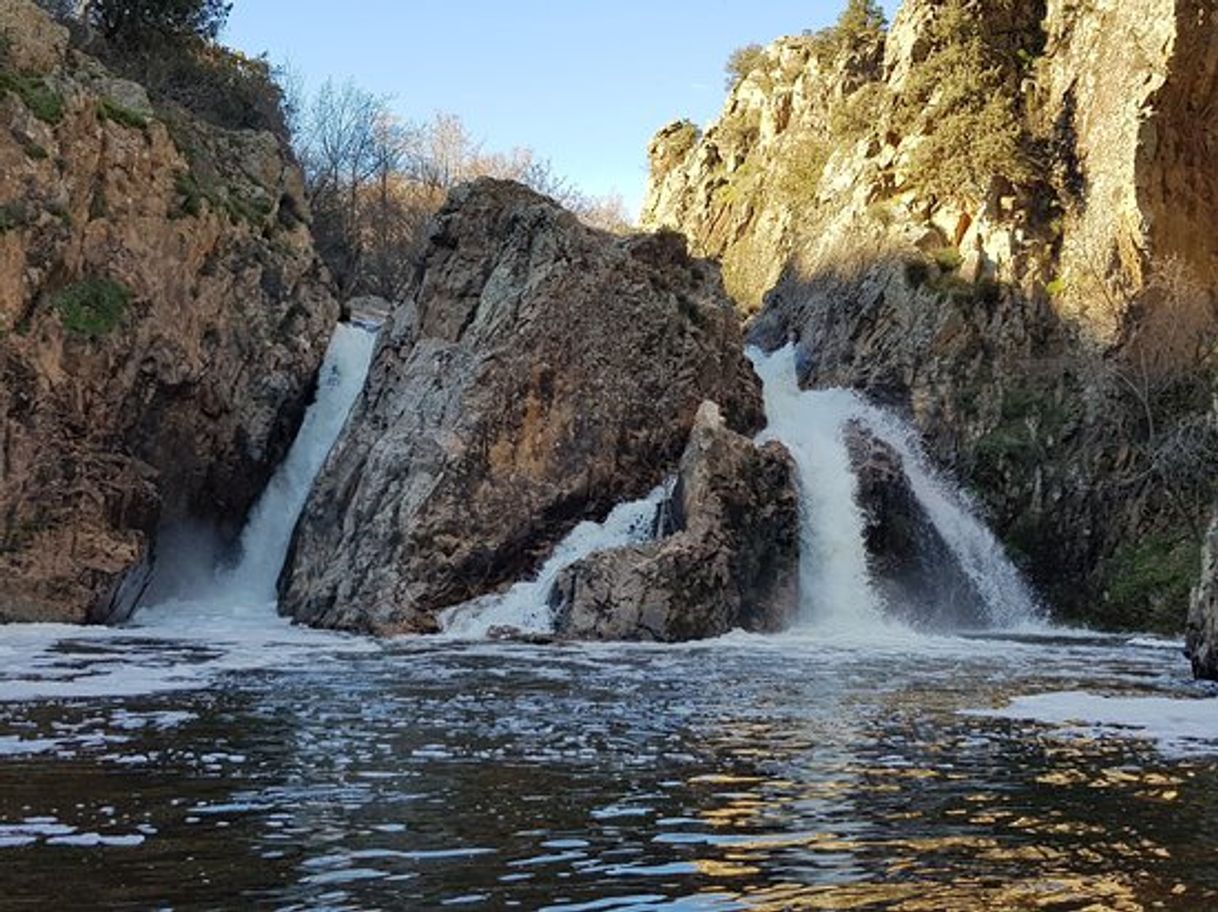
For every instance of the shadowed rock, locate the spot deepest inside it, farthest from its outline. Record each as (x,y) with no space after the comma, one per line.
(540,373)
(915,570)
(731,560)
(1202,639)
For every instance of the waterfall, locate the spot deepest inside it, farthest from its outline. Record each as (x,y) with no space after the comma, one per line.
(839,592)
(245,591)
(525,607)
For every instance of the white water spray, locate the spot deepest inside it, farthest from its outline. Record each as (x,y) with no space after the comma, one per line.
(245,593)
(834,575)
(525,607)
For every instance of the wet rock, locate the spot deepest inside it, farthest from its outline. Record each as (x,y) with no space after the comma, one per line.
(1202,633)
(916,572)
(731,560)
(540,373)
(157,350)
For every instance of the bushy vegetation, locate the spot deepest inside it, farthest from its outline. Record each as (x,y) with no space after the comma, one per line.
(742,62)
(801,168)
(12,217)
(36,93)
(112,111)
(963,97)
(93,307)
(1149,581)
(139,24)
(859,22)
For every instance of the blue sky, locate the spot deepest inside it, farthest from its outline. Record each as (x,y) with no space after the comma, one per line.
(583,83)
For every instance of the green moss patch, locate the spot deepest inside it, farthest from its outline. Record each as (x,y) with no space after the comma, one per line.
(92,308)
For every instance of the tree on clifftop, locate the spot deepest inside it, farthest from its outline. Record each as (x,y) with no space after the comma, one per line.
(861,17)
(139,22)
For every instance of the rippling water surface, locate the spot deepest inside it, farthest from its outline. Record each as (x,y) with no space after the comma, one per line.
(750,773)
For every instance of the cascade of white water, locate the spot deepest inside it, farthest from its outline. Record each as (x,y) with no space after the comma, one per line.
(833,572)
(525,607)
(246,591)
(833,562)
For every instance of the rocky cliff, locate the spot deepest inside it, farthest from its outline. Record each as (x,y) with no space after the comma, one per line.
(540,373)
(162,316)
(992,217)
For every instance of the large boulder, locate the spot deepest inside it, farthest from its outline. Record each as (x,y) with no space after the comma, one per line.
(916,572)
(1202,636)
(162,321)
(731,559)
(540,373)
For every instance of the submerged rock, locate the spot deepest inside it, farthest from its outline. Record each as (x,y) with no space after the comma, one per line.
(1202,636)
(158,343)
(540,373)
(911,564)
(730,559)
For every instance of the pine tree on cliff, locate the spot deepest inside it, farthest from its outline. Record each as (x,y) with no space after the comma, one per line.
(137,23)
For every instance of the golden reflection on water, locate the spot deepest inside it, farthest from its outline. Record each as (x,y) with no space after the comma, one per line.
(1054,857)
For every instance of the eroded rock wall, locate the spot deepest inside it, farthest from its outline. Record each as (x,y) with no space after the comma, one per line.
(162,317)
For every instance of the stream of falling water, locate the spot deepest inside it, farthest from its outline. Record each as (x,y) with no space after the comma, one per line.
(838,591)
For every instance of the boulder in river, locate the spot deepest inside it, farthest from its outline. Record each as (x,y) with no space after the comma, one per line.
(731,559)
(539,373)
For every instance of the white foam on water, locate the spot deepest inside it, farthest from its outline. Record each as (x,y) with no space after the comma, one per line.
(1179,727)
(839,595)
(205,621)
(525,607)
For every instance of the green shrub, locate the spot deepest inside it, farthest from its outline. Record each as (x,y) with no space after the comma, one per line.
(1056,288)
(36,93)
(948,259)
(12,217)
(36,152)
(962,97)
(742,62)
(93,307)
(1148,582)
(190,202)
(860,21)
(683,139)
(124,117)
(802,169)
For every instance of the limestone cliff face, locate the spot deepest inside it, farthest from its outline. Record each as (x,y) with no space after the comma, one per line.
(541,373)
(983,305)
(162,316)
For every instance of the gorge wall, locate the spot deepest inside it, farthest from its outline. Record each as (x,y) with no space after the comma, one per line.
(995,216)
(162,318)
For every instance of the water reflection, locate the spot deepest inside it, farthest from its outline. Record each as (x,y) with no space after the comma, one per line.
(737,776)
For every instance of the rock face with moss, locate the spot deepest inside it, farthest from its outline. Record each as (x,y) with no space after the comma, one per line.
(727,558)
(162,316)
(541,373)
(990,218)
